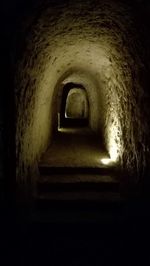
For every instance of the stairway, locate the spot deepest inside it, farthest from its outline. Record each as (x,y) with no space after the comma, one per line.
(69,183)
(71,170)
(73,184)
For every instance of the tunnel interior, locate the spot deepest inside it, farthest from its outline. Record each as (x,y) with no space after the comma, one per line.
(78,194)
(75,195)
(82,70)
(74,109)
(76,104)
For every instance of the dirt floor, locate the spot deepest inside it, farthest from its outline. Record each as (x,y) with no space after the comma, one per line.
(75,148)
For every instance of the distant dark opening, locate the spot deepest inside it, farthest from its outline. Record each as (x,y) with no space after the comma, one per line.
(74,110)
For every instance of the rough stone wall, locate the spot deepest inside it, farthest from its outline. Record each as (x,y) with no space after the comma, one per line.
(97,44)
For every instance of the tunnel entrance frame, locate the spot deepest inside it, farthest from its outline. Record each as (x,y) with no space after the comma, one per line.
(64,121)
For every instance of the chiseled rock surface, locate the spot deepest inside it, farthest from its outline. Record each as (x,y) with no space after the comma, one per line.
(100,45)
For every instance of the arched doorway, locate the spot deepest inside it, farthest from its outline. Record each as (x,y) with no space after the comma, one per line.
(76,104)
(74,111)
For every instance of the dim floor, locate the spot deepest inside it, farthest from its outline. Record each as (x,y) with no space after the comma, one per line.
(75,147)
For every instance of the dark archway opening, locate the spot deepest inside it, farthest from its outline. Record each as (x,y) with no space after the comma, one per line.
(74,110)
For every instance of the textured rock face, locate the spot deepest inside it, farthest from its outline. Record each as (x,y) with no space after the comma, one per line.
(95,44)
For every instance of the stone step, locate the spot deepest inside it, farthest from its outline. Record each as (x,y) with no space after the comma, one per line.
(48,187)
(78,187)
(46,169)
(78,178)
(81,196)
(78,182)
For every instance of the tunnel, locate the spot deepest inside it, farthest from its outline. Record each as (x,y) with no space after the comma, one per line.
(75,132)
(96,52)
(74,109)
(76,104)
(73,106)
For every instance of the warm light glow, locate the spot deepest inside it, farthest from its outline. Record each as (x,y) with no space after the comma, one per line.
(106,161)
(114,139)
(113,152)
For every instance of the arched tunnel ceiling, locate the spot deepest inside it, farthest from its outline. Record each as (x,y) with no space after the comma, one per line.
(97,45)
